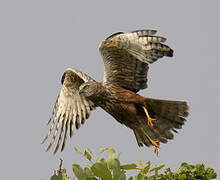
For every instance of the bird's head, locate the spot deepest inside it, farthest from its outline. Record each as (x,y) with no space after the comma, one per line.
(88,89)
(71,81)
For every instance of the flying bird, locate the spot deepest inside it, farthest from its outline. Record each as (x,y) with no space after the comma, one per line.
(126,58)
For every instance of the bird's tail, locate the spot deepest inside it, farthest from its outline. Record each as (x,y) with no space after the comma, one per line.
(167,109)
(158,118)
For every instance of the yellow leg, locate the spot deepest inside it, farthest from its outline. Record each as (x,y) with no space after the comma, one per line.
(155,144)
(149,119)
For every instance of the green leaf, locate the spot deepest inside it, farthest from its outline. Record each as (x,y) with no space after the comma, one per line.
(111,154)
(157,168)
(118,173)
(87,155)
(78,171)
(65,177)
(148,163)
(101,150)
(57,177)
(103,160)
(211,173)
(130,178)
(112,170)
(118,157)
(140,161)
(91,178)
(139,177)
(77,150)
(101,170)
(146,168)
(88,172)
(89,150)
(122,176)
(130,166)
(182,177)
(114,165)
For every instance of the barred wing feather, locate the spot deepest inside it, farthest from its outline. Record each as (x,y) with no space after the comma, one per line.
(126,57)
(71,108)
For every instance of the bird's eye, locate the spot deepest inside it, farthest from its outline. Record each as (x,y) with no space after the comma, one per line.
(87,86)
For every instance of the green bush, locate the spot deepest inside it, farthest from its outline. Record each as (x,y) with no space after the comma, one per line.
(111,169)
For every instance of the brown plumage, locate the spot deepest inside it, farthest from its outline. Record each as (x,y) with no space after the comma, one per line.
(126,58)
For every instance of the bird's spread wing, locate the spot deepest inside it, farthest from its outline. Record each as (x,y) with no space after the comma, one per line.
(126,57)
(71,108)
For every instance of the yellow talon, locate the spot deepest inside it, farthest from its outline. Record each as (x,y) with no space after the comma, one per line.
(156,147)
(149,119)
(155,144)
(150,123)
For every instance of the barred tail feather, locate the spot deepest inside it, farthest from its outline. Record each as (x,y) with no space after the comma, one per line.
(172,110)
(170,116)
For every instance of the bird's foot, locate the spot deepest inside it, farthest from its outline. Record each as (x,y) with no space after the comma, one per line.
(155,144)
(149,119)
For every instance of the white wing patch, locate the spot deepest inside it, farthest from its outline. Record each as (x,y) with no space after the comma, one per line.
(70,111)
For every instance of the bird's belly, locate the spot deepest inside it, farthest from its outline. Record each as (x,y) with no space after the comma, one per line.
(125,113)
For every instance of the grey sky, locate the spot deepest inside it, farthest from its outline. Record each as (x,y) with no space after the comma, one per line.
(40,39)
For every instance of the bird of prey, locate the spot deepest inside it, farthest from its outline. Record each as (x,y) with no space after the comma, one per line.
(126,58)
